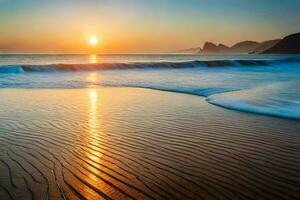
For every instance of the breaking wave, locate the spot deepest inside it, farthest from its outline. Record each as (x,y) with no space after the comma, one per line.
(141,65)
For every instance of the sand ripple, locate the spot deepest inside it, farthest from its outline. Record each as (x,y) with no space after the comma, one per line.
(141,144)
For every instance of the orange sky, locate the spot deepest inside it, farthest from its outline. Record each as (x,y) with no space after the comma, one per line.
(138,26)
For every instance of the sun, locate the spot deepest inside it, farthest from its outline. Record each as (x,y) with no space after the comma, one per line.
(93,41)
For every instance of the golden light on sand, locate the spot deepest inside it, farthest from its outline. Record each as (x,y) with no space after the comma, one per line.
(93,99)
(95,132)
(93,41)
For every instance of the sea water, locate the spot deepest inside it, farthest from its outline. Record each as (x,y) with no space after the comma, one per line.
(262,84)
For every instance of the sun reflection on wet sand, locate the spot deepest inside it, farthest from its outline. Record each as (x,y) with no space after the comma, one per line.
(93,99)
(94,121)
(94,129)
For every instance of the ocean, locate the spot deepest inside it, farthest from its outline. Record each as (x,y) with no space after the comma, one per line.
(260,84)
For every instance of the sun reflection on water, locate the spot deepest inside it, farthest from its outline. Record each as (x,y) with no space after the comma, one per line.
(93,58)
(93,78)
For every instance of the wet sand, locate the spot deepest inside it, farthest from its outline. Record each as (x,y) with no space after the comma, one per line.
(125,143)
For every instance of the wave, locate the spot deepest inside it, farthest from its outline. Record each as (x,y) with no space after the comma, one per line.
(277,99)
(11,69)
(282,111)
(141,65)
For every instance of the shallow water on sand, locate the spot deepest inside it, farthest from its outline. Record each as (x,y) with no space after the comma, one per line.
(122,143)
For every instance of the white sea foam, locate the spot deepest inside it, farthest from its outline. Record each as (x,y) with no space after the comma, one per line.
(276,99)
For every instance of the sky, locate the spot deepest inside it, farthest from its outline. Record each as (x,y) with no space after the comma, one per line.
(140,26)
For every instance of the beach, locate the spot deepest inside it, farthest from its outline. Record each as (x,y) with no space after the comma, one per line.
(150,100)
(134,143)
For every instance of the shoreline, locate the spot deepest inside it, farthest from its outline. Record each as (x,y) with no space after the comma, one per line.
(206,99)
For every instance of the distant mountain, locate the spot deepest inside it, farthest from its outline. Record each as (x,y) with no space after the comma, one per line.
(288,45)
(223,47)
(189,50)
(210,47)
(244,47)
(264,46)
(241,47)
